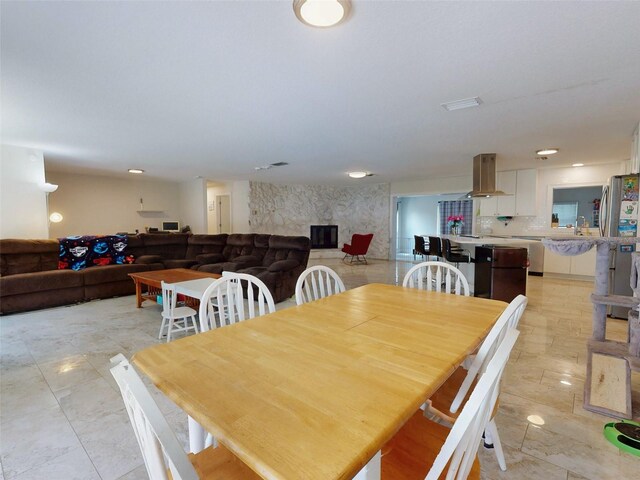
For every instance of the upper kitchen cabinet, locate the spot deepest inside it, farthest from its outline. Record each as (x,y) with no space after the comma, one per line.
(501,206)
(520,185)
(526,189)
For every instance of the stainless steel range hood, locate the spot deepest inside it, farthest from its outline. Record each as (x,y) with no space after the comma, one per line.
(484,177)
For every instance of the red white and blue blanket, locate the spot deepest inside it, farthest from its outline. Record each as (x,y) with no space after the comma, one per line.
(85,251)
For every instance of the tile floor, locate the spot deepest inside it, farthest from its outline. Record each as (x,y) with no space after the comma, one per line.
(62,417)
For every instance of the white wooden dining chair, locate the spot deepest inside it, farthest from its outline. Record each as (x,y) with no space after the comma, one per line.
(411,453)
(161,450)
(446,401)
(175,319)
(317,282)
(223,302)
(437,276)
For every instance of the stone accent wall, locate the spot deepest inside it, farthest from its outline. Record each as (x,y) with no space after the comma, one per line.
(292,209)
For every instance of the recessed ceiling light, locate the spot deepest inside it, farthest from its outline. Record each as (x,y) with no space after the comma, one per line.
(578,165)
(547,151)
(321,13)
(357,174)
(136,170)
(460,104)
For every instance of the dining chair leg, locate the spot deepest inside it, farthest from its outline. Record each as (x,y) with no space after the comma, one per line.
(492,437)
(162,327)
(169,328)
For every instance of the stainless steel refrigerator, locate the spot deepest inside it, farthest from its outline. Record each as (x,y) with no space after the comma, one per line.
(619,218)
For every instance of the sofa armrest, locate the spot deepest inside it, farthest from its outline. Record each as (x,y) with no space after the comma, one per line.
(148,259)
(207,258)
(283,266)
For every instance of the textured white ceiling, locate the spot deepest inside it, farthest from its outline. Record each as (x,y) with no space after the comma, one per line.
(216,88)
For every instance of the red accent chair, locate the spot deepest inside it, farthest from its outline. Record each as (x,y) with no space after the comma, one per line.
(358,247)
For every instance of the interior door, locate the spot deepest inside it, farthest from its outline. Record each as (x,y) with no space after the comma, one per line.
(223,204)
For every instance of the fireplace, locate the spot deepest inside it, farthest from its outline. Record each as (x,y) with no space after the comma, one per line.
(324,236)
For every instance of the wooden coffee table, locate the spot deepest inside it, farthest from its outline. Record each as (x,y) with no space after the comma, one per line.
(153,281)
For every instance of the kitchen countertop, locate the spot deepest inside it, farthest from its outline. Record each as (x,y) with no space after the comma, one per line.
(489,240)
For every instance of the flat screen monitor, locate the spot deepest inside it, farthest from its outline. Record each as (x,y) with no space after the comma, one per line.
(171,226)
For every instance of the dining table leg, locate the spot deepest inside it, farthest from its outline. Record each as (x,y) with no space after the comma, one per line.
(372,470)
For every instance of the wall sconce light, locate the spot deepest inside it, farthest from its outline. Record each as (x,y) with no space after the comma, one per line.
(55,217)
(48,187)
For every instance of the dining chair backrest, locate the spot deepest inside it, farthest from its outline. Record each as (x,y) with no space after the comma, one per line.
(419,245)
(461,446)
(169,299)
(160,448)
(317,282)
(509,319)
(223,301)
(435,247)
(435,275)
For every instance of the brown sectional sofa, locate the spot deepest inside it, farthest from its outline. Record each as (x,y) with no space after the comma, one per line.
(30,279)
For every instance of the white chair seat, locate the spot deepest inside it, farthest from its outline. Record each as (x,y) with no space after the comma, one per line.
(175,319)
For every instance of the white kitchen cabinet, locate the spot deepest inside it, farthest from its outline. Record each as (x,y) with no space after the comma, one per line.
(520,185)
(526,189)
(584,264)
(501,206)
(506,206)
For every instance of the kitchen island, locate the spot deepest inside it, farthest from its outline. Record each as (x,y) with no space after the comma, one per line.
(470,242)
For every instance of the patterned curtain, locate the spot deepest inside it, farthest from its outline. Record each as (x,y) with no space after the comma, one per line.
(456,207)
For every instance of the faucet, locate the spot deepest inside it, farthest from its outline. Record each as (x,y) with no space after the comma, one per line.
(577,230)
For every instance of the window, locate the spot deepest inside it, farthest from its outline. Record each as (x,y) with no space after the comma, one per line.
(567,213)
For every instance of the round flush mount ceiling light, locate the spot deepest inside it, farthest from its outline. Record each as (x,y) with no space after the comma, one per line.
(358,174)
(55,217)
(321,13)
(547,151)
(135,170)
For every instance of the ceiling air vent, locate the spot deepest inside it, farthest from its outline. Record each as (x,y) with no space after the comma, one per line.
(271,165)
(460,104)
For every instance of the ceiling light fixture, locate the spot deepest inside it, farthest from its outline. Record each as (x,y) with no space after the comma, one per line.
(460,104)
(358,174)
(547,151)
(321,13)
(578,165)
(136,170)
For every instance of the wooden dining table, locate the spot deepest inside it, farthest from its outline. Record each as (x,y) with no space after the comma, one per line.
(314,391)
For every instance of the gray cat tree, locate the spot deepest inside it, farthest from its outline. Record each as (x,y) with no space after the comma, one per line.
(607,388)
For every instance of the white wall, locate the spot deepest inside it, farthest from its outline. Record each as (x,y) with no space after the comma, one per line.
(240,213)
(23,207)
(193,205)
(94,204)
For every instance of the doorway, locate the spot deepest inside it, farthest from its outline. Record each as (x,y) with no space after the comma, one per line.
(223,213)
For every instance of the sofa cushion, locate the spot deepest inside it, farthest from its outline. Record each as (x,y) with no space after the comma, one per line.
(202,244)
(22,283)
(112,273)
(238,244)
(283,265)
(287,248)
(179,263)
(148,259)
(26,256)
(169,246)
(205,258)
(246,261)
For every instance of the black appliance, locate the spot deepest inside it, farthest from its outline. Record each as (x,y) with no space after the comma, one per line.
(501,272)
